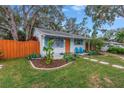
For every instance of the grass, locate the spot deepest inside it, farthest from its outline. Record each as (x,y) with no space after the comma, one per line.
(19,73)
(109,58)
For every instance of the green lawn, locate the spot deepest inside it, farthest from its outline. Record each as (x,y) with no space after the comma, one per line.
(19,73)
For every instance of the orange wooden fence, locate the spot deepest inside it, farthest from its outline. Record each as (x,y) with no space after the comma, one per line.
(18,49)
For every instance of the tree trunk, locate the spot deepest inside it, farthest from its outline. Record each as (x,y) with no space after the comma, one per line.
(11,22)
(13,27)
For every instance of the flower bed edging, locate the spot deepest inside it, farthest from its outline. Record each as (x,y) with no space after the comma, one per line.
(49,68)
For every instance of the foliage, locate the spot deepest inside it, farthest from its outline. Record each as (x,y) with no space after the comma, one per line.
(49,51)
(33,55)
(116,50)
(71,25)
(104,14)
(5,34)
(77,28)
(92,52)
(68,57)
(120,36)
(109,34)
(21,35)
(19,22)
(97,43)
(83,29)
(26,17)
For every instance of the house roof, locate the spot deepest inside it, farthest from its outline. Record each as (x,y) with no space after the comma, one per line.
(116,43)
(59,33)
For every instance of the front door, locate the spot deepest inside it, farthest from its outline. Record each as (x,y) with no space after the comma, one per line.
(67,45)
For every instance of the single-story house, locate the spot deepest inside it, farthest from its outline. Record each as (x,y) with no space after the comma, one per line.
(64,42)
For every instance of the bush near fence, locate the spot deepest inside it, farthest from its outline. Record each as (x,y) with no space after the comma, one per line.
(18,49)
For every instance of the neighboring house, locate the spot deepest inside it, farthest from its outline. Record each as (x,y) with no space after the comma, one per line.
(110,43)
(64,42)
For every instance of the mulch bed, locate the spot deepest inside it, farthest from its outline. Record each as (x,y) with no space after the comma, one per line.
(41,63)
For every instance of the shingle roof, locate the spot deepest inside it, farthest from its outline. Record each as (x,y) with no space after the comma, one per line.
(59,33)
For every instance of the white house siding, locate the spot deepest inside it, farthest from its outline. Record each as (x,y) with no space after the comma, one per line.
(40,39)
(58,50)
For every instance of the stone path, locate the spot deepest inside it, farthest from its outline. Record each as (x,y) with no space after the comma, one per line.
(1,66)
(118,66)
(94,60)
(105,63)
(120,56)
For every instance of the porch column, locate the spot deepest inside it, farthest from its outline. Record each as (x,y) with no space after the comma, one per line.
(89,46)
(42,44)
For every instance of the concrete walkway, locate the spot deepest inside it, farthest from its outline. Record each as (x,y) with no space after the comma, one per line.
(105,63)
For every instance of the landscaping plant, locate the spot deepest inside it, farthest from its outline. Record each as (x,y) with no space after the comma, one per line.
(120,36)
(69,57)
(116,50)
(97,43)
(33,55)
(49,51)
(92,52)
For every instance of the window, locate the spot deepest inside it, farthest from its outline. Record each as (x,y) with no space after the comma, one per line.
(58,42)
(78,42)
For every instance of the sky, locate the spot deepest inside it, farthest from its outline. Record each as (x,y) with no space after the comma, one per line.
(78,12)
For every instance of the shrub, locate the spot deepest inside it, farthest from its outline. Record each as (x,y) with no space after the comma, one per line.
(34,55)
(49,51)
(92,52)
(120,36)
(70,57)
(116,50)
(97,43)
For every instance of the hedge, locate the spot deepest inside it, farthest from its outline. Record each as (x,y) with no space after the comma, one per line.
(116,50)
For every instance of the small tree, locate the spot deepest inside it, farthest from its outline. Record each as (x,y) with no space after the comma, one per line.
(98,43)
(49,51)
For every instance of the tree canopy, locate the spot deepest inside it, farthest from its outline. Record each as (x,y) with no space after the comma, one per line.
(25,18)
(18,22)
(103,14)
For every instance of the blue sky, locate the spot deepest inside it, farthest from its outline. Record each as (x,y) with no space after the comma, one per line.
(78,12)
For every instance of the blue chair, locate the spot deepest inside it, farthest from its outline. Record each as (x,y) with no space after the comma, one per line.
(76,50)
(81,50)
